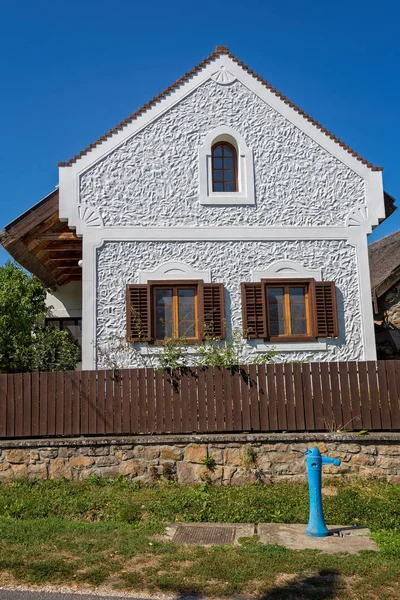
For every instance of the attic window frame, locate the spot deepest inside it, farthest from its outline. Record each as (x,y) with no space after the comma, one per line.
(245,190)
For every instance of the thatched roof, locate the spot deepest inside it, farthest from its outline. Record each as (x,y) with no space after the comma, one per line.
(384,263)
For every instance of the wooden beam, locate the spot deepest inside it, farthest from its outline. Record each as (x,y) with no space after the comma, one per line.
(58,237)
(40,229)
(61,246)
(63,256)
(53,265)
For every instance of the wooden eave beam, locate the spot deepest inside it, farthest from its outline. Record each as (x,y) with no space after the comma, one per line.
(61,236)
(34,234)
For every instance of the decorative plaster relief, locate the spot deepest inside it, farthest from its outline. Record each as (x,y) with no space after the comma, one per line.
(357,216)
(223,76)
(90,215)
(286,269)
(153,178)
(231,263)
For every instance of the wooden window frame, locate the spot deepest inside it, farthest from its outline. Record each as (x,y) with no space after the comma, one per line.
(195,284)
(235,167)
(309,284)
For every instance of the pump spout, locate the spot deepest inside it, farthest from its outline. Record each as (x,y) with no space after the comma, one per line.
(330,461)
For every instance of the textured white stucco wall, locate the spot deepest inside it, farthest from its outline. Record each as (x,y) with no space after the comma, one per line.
(231,263)
(152,178)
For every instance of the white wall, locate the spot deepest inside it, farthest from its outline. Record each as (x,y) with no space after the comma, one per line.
(232,263)
(66,300)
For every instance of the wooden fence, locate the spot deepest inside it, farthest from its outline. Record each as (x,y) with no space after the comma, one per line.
(281,397)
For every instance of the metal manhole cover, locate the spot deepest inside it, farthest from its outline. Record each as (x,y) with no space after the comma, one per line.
(204,536)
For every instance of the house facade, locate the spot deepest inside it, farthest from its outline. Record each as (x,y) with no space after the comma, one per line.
(218,206)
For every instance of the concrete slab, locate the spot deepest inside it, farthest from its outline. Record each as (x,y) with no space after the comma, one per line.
(208,534)
(340,539)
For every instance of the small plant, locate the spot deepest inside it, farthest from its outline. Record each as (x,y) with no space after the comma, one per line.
(250,459)
(209,462)
(169,471)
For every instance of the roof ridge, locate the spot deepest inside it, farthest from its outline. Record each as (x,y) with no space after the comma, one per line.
(171,88)
(382,239)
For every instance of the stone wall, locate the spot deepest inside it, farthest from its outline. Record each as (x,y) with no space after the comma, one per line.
(226,459)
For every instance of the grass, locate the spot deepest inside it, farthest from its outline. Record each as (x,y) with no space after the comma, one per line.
(102,533)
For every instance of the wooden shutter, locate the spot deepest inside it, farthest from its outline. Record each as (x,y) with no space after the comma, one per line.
(213,307)
(253,310)
(326,316)
(138,313)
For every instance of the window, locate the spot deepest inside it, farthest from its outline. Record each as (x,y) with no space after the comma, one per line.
(160,310)
(71,324)
(175,311)
(293,310)
(288,311)
(224,168)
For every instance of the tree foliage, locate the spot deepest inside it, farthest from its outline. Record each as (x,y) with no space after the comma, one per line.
(26,344)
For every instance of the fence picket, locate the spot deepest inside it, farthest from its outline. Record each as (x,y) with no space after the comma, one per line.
(273,397)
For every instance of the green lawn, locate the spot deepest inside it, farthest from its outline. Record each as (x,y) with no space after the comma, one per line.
(102,533)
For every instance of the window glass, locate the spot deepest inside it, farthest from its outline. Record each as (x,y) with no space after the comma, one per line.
(276,305)
(298,315)
(164,313)
(224,168)
(186,312)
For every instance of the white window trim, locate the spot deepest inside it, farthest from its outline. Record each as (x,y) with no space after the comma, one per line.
(245,194)
(288,269)
(172,271)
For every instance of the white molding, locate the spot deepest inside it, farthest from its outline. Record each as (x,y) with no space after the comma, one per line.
(245,169)
(292,347)
(221,234)
(174,270)
(284,269)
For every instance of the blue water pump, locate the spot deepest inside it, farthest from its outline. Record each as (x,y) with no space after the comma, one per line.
(316,525)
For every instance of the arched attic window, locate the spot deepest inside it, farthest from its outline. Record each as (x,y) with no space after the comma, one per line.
(224,168)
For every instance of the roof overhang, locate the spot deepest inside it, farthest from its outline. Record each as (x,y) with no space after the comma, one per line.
(44,245)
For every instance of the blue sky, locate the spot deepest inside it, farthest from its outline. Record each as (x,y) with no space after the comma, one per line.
(69,71)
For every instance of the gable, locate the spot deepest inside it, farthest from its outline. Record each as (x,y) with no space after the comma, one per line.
(320,173)
(153,177)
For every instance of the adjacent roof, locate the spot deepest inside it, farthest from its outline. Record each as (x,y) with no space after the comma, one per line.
(384,263)
(220,50)
(44,245)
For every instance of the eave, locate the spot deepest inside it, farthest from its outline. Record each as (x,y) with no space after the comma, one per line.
(44,245)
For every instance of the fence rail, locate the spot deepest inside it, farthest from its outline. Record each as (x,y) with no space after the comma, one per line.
(254,398)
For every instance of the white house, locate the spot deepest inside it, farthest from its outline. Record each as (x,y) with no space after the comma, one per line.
(218,203)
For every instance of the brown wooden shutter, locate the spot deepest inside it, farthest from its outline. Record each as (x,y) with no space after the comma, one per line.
(254,311)
(326,316)
(213,307)
(138,313)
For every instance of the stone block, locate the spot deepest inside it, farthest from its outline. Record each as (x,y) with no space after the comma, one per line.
(185,472)
(388,463)
(228,473)
(66,452)
(362,459)
(171,453)
(212,475)
(34,455)
(106,472)
(242,477)
(352,448)
(389,450)
(20,471)
(17,456)
(151,452)
(106,461)
(131,468)
(216,454)
(81,462)
(369,449)
(264,463)
(98,451)
(196,453)
(38,471)
(58,468)
(126,454)
(233,457)
(48,453)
